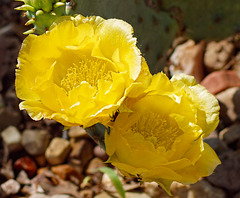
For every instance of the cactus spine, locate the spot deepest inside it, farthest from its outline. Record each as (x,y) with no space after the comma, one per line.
(42,13)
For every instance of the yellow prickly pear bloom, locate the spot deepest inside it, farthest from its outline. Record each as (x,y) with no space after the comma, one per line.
(162,139)
(79,72)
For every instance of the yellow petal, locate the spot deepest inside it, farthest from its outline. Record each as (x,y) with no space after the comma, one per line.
(117,35)
(81,70)
(142,82)
(112,142)
(208,161)
(207,104)
(202,168)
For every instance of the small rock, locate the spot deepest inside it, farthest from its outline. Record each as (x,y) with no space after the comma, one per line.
(11,99)
(1,101)
(204,189)
(230,105)
(103,195)
(22,178)
(213,134)
(66,172)
(230,134)
(217,145)
(236,65)
(61,196)
(136,195)
(100,153)
(7,170)
(8,117)
(39,195)
(41,160)
(11,187)
(77,132)
(94,164)
(34,188)
(35,141)
(3,194)
(57,151)
(179,190)
(81,153)
(227,174)
(237,195)
(42,170)
(217,55)
(218,81)
(188,58)
(154,191)
(12,138)
(26,164)
(87,193)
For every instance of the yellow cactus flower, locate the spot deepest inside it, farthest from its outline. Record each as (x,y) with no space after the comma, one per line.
(162,139)
(79,72)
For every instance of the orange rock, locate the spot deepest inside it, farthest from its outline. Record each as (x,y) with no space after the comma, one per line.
(218,81)
(41,170)
(65,172)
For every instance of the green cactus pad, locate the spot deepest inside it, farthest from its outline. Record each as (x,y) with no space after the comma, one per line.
(205,19)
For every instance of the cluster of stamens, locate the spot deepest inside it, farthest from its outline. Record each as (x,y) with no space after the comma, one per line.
(156,129)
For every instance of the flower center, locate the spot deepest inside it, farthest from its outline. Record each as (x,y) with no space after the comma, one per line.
(89,70)
(157,130)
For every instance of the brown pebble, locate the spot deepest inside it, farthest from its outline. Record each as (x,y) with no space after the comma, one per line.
(100,153)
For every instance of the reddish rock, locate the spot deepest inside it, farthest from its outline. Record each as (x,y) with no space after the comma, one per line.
(26,164)
(220,80)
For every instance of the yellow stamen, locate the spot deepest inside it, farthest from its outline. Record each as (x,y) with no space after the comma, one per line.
(88,70)
(157,130)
